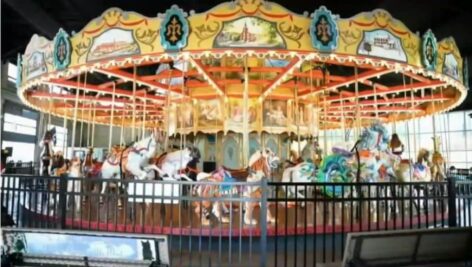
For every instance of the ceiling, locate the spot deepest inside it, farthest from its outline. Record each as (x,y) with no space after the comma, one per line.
(22,18)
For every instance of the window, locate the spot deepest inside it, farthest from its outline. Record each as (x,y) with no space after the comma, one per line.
(12,72)
(454,130)
(21,151)
(18,124)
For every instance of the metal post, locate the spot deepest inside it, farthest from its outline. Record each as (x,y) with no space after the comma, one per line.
(451,197)
(263,223)
(62,201)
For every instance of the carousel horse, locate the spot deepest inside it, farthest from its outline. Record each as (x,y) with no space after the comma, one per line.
(219,209)
(133,160)
(59,164)
(171,165)
(260,165)
(74,186)
(437,162)
(335,168)
(294,148)
(406,171)
(304,172)
(49,140)
(90,169)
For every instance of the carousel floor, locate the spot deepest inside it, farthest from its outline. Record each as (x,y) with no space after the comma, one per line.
(181,219)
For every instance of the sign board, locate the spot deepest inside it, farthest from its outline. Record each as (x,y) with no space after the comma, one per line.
(74,247)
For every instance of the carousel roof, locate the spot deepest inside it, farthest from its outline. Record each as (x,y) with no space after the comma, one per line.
(191,70)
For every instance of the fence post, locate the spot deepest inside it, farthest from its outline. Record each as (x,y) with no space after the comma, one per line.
(451,197)
(62,205)
(263,223)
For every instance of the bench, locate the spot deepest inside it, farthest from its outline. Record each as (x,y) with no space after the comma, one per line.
(426,247)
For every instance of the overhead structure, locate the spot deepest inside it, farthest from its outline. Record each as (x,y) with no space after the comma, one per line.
(243,66)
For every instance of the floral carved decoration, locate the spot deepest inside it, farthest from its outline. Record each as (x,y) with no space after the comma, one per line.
(350,37)
(292,32)
(146,36)
(207,31)
(82,48)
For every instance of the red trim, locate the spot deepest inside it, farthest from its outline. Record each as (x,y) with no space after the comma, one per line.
(255,230)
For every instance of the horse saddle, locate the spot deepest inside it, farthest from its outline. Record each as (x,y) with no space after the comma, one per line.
(160,159)
(238,174)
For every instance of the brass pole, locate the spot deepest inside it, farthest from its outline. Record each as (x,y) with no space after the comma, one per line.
(110,130)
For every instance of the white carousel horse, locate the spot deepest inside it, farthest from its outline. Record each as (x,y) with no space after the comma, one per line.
(133,160)
(304,172)
(74,186)
(296,146)
(171,164)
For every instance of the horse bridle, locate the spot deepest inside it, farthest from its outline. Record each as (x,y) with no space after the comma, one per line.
(138,151)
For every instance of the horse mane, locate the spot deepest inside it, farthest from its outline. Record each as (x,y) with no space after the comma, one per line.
(260,165)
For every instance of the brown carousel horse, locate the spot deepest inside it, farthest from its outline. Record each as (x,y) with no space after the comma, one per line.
(437,162)
(91,169)
(260,165)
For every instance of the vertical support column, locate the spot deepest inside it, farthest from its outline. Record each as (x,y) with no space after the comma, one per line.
(167,124)
(88,124)
(245,114)
(110,130)
(325,124)
(263,223)
(62,205)
(144,116)
(64,144)
(75,114)
(133,129)
(297,117)
(358,115)
(82,116)
(434,123)
(451,197)
(93,123)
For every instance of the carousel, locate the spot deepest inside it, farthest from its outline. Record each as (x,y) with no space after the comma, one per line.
(247,85)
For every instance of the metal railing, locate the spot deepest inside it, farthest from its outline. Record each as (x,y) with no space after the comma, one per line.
(291,224)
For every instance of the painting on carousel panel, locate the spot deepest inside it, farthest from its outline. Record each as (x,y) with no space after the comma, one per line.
(450,66)
(304,114)
(236,112)
(113,43)
(231,153)
(383,44)
(186,115)
(35,65)
(249,32)
(275,113)
(210,113)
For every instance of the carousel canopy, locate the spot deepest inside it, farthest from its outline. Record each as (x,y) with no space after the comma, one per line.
(243,61)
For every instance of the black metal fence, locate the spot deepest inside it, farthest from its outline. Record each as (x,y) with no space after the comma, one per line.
(210,224)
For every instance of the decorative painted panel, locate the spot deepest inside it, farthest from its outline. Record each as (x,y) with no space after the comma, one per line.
(324,30)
